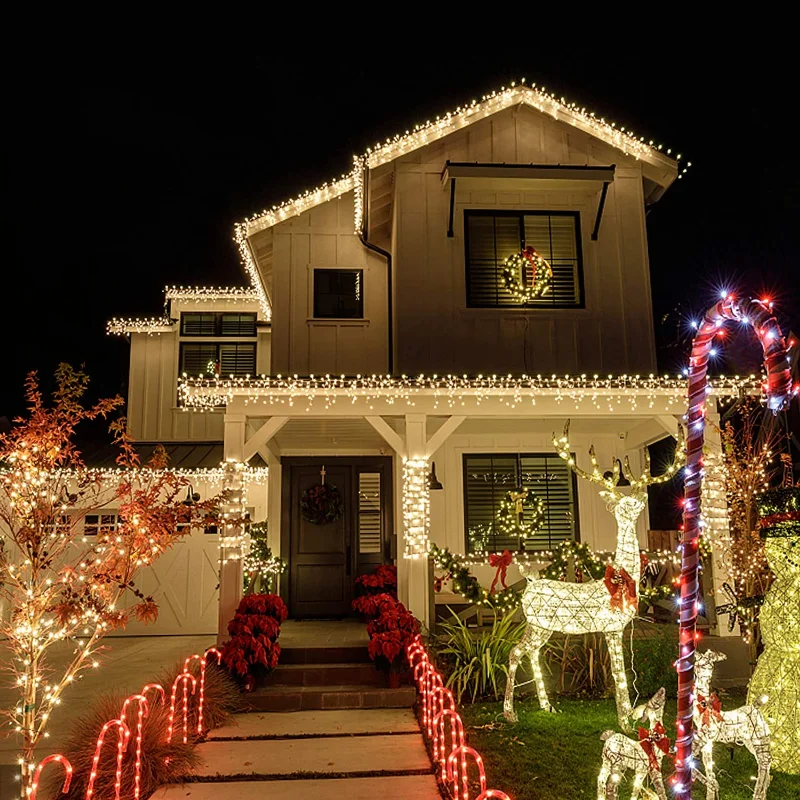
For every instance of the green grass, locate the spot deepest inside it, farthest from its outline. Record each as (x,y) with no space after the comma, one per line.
(557,756)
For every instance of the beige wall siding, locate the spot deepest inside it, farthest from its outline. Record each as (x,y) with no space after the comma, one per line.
(323,238)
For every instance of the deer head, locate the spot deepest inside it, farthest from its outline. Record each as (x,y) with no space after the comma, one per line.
(625,507)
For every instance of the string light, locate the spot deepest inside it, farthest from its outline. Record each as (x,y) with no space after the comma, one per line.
(124,735)
(122,326)
(207,294)
(184,678)
(416,507)
(597,606)
(201,700)
(517,265)
(234,541)
(143,710)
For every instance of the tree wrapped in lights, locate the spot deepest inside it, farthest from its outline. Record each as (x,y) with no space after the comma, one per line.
(63,588)
(777,674)
(261,568)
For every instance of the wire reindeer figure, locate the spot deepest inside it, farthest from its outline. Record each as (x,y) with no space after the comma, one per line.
(606,606)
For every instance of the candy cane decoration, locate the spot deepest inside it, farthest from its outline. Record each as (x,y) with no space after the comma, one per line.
(58,758)
(124,734)
(758,315)
(143,712)
(201,701)
(456,737)
(158,687)
(460,755)
(184,678)
(493,793)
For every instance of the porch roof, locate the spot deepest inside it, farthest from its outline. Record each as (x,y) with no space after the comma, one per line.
(474,396)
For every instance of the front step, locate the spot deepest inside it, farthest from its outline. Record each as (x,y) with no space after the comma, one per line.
(324,655)
(321,698)
(326,675)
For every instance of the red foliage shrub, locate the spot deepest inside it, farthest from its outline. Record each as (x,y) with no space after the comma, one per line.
(253,650)
(368,605)
(390,633)
(382,580)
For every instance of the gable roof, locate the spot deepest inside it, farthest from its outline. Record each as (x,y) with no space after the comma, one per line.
(422,135)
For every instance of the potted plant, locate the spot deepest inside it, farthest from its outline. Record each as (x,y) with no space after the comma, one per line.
(252,651)
(380,583)
(390,633)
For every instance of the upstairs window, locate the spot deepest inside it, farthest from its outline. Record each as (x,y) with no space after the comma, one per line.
(210,358)
(338,293)
(488,480)
(217,323)
(493,236)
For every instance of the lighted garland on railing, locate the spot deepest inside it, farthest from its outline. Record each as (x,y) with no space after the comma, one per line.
(517,265)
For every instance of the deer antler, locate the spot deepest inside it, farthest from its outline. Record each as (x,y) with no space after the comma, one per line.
(640,484)
(562,447)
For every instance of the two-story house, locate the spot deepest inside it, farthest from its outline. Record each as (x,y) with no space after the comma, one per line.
(386,331)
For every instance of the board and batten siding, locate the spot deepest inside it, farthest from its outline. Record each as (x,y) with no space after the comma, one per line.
(323,238)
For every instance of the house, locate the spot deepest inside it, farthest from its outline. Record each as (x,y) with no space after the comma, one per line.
(387,347)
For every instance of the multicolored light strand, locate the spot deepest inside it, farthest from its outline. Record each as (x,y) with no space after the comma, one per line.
(759,316)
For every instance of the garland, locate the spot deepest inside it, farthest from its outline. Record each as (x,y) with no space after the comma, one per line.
(321,504)
(517,264)
(779,512)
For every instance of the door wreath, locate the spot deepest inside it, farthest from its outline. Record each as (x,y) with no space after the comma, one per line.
(321,504)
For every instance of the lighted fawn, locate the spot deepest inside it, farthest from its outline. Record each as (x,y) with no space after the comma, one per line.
(743,726)
(604,606)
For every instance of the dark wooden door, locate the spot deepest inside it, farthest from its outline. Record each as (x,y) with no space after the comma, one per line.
(321,558)
(324,560)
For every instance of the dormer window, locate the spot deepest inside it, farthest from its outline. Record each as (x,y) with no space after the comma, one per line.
(492,236)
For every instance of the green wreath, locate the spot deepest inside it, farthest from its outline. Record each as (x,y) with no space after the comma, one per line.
(321,504)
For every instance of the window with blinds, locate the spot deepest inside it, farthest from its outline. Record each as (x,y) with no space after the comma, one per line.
(217,323)
(369,512)
(489,478)
(493,236)
(207,358)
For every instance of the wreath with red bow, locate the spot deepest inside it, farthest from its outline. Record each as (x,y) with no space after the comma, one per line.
(321,504)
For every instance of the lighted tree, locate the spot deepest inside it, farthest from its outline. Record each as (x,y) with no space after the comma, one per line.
(748,466)
(65,590)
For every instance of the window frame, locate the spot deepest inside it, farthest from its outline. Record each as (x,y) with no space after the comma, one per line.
(521,214)
(217,346)
(218,328)
(518,456)
(357,270)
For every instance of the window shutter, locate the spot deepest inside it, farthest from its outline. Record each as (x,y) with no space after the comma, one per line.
(554,237)
(197,324)
(369,512)
(237,359)
(550,478)
(238,325)
(491,241)
(198,359)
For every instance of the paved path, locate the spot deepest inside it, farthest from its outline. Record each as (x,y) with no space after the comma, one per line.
(357,754)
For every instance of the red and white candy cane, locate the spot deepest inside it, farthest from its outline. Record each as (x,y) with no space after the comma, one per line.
(758,315)
(185,678)
(460,774)
(440,749)
(59,759)
(157,687)
(201,701)
(143,710)
(124,735)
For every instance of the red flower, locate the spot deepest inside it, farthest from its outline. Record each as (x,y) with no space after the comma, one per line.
(391,632)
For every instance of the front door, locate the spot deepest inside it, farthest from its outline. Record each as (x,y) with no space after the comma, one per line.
(325,559)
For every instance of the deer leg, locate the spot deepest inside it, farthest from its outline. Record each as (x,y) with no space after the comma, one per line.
(602,780)
(535,644)
(658,782)
(712,787)
(615,652)
(513,662)
(762,756)
(638,782)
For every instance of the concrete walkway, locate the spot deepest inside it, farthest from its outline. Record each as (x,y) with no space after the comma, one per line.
(356,753)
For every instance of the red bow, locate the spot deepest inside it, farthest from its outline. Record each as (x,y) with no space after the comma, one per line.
(502,562)
(650,740)
(621,587)
(709,707)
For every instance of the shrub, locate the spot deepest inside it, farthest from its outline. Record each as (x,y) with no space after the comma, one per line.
(252,651)
(653,659)
(478,660)
(582,664)
(367,606)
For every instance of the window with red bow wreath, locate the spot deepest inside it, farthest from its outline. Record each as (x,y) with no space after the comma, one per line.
(321,504)
(516,269)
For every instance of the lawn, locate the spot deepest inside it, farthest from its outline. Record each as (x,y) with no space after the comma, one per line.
(557,756)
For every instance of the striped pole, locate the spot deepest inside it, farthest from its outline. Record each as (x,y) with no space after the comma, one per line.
(758,315)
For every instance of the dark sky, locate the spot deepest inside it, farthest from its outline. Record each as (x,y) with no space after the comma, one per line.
(128,165)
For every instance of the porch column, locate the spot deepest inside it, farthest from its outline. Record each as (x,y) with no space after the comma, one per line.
(231,578)
(416,520)
(714,506)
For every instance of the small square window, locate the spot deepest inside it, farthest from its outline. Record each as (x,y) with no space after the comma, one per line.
(339,293)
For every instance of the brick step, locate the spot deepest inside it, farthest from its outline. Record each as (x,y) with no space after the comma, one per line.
(321,698)
(326,675)
(324,655)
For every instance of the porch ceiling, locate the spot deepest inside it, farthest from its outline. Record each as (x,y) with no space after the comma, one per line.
(309,433)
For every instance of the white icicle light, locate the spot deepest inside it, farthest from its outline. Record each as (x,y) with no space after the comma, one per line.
(416,507)
(234,541)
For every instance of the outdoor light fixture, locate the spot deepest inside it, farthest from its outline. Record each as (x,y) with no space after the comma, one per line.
(192,496)
(434,484)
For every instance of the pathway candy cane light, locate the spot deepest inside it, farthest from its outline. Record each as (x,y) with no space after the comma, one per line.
(184,678)
(124,735)
(143,711)
(758,315)
(58,759)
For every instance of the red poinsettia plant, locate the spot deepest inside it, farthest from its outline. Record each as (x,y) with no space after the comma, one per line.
(382,582)
(390,633)
(252,651)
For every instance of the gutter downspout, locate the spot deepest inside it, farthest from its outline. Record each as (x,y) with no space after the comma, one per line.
(362,236)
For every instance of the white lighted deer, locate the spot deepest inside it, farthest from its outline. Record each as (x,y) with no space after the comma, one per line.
(743,726)
(604,606)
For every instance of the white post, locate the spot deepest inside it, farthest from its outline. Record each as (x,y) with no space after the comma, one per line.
(231,579)
(274,482)
(714,506)
(416,520)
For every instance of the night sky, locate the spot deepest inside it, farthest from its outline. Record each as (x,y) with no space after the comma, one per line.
(128,166)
